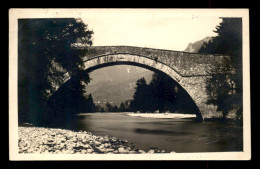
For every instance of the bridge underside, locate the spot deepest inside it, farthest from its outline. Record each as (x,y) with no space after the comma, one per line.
(194,85)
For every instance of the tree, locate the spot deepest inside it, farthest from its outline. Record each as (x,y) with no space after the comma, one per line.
(159,94)
(225,89)
(122,107)
(47,48)
(109,107)
(139,103)
(219,88)
(90,106)
(115,108)
(164,94)
(102,110)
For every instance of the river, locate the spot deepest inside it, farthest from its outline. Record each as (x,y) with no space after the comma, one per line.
(179,135)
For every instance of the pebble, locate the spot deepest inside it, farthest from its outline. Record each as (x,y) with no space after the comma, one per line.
(61,141)
(121,150)
(151,151)
(141,151)
(90,150)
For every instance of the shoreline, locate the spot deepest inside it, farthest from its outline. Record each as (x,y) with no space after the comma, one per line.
(162,115)
(63,141)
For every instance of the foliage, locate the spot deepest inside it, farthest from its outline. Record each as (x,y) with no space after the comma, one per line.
(141,94)
(47,48)
(122,107)
(225,89)
(115,108)
(109,107)
(161,94)
(89,105)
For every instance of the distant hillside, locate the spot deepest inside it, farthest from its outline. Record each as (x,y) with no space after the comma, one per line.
(115,84)
(195,47)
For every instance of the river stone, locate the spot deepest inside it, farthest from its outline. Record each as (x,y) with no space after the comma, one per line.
(97,143)
(142,151)
(72,151)
(101,146)
(24,144)
(30,150)
(53,134)
(50,140)
(106,139)
(113,141)
(151,151)
(91,142)
(121,150)
(83,151)
(109,150)
(90,150)
(124,141)
(62,145)
(86,146)
(132,152)
(74,140)
(107,145)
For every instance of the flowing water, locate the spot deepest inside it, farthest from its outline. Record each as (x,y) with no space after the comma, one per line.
(179,135)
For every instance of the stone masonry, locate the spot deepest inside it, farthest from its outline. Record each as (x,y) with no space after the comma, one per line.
(188,69)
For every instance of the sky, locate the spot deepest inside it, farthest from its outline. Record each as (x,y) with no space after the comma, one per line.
(144,28)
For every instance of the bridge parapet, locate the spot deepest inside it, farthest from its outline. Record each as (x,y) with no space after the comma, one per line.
(186,64)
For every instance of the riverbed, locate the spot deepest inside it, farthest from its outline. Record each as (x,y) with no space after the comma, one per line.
(179,135)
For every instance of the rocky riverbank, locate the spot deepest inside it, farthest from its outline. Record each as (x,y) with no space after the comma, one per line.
(61,141)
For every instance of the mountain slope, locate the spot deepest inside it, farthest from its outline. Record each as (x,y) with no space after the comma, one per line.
(115,84)
(195,47)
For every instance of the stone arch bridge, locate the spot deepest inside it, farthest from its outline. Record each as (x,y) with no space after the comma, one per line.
(188,69)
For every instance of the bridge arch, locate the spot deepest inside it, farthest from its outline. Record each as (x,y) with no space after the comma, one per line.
(152,64)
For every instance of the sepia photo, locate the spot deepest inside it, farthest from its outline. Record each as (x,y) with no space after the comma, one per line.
(129,84)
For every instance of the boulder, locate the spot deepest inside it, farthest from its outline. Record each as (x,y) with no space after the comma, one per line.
(142,151)
(87,146)
(97,143)
(74,140)
(132,152)
(84,151)
(107,145)
(101,146)
(121,150)
(90,150)
(151,151)
(109,150)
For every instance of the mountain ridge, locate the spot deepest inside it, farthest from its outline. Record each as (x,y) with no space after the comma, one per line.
(195,46)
